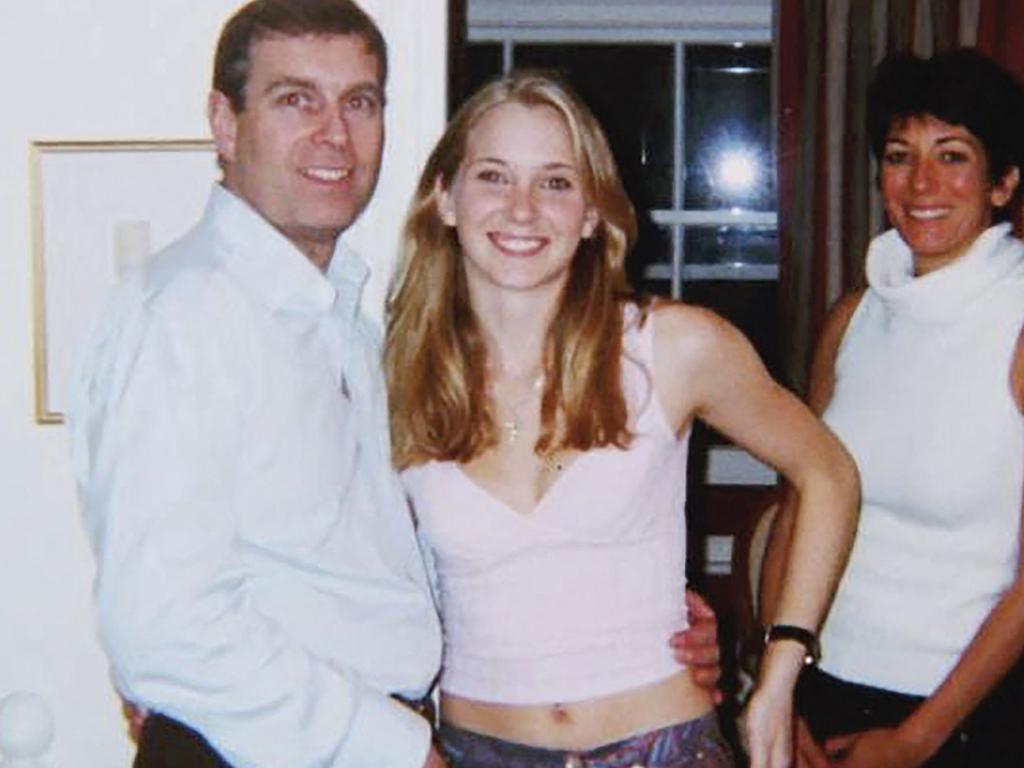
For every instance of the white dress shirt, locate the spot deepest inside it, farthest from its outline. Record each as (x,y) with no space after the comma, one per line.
(258,574)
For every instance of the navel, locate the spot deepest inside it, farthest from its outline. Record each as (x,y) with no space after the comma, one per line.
(560,714)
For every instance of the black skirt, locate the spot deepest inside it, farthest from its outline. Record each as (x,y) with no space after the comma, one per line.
(992,736)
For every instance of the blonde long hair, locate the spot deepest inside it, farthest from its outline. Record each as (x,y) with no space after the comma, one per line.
(435,357)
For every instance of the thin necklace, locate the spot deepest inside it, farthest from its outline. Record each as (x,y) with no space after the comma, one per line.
(511,426)
(551,460)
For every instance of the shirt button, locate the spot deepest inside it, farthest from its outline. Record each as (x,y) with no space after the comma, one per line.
(574,761)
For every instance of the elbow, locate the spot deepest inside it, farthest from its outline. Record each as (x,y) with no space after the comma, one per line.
(833,486)
(842,496)
(146,632)
(848,481)
(845,479)
(130,636)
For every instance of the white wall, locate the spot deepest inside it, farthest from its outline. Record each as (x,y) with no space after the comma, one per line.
(124,69)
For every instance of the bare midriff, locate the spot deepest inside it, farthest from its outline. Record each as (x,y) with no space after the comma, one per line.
(587,724)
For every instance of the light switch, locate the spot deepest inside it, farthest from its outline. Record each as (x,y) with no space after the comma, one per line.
(718,554)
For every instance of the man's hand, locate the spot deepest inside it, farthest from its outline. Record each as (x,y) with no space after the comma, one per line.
(434,759)
(876,748)
(136,717)
(697,647)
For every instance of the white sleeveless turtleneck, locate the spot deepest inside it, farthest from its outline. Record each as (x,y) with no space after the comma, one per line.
(922,400)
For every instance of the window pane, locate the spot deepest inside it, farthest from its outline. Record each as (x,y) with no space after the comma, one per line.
(749,305)
(729,161)
(630,90)
(731,245)
(649,266)
(480,62)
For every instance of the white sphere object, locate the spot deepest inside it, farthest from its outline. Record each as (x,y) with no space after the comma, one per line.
(26,725)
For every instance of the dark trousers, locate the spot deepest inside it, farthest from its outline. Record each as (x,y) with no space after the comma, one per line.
(166,743)
(990,737)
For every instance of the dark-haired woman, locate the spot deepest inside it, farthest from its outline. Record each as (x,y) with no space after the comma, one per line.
(922,377)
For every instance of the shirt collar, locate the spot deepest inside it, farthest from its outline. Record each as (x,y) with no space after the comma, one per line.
(348,273)
(277,271)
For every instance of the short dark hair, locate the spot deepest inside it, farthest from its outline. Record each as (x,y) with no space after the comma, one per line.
(293,18)
(959,87)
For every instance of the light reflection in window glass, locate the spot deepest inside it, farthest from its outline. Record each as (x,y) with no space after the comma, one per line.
(728,129)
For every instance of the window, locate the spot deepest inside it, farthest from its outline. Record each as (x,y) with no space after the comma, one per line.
(683,90)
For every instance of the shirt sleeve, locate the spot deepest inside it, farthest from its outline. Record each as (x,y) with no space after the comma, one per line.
(156,427)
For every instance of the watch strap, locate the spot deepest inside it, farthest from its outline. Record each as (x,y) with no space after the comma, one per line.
(804,636)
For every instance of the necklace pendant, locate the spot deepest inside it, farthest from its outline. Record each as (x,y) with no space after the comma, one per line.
(511,428)
(551,462)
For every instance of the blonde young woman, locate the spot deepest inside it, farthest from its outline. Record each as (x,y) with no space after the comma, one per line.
(541,413)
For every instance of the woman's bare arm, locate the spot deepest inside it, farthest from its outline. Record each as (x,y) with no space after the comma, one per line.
(705,368)
(819,393)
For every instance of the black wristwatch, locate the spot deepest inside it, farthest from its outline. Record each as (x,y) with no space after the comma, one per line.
(805,637)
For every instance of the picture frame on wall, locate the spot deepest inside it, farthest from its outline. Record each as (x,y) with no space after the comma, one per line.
(100,208)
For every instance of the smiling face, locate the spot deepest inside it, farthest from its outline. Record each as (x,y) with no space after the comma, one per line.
(305,151)
(517,200)
(937,190)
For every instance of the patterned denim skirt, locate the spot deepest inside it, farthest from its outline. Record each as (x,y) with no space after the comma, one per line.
(696,743)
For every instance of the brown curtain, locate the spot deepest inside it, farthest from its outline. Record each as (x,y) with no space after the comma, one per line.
(828,203)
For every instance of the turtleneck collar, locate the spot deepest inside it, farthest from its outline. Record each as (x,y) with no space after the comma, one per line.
(941,294)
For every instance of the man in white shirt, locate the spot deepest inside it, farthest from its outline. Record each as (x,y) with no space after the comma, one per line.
(258,577)
(259,588)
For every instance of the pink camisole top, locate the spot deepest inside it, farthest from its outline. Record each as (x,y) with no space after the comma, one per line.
(578,598)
